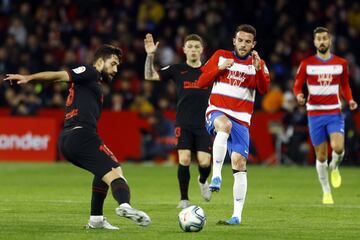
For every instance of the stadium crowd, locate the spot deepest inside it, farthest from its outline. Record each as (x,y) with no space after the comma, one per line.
(50,35)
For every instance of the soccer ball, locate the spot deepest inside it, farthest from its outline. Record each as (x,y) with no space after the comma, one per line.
(192,219)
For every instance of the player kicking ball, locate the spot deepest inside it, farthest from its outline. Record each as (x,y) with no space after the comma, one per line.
(79,141)
(325,75)
(235,77)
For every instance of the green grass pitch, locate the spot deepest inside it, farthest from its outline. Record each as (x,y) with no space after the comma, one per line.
(51,201)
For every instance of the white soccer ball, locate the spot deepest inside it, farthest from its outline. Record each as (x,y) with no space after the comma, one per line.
(192,219)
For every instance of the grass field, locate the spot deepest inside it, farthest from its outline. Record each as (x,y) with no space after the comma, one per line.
(51,201)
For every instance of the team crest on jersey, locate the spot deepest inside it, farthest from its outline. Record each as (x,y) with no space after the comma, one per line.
(79,70)
(325,79)
(236,77)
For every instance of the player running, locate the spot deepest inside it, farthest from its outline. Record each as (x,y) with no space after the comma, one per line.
(325,75)
(79,141)
(235,75)
(191,106)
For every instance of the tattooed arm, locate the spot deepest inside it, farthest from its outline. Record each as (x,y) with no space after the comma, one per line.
(150,48)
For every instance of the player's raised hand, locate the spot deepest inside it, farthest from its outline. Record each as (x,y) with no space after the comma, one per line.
(353,105)
(256,61)
(228,63)
(300,99)
(150,46)
(20,79)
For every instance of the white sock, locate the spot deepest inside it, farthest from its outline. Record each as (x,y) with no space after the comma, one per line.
(336,159)
(321,168)
(96,218)
(239,193)
(125,205)
(219,152)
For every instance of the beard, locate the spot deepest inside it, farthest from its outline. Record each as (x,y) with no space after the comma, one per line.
(323,49)
(106,77)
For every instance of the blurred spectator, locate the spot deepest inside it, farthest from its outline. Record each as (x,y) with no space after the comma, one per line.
(141,105)
(117,102)
(273,100)
(26,102)
(295,134)
(18,30)
(160,138)
(149,15)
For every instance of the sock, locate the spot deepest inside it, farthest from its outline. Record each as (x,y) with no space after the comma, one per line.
(219,152)
(125,205)
(321,168)
(204,173)
(336,159)
(120,191)
(99,192)
(96,218)
(239,193)
(184,179)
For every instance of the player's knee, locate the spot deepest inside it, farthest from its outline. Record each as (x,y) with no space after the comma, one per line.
(225,126)
(185,161)
(239,164)
(321,156)
(204,162)
(112,175)
(338,148)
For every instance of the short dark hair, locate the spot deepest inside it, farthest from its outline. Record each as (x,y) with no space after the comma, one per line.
(106,51)
(246,28)
(321,30)
(194,37)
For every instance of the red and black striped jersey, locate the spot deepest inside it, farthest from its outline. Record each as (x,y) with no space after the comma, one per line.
(84,102)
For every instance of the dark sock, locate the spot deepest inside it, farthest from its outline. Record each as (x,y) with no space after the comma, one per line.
(236,171)
(204,173)
(184,179)
(99,192)
(120,191)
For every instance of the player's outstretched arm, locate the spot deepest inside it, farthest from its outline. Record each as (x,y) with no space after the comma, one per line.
(150,48)
(41,76)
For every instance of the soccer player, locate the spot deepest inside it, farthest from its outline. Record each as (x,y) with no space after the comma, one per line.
(325,75)
(79,141)
(235,75)
(190,113)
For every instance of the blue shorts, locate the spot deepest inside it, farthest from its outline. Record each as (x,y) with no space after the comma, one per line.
(238,140)
(320,127)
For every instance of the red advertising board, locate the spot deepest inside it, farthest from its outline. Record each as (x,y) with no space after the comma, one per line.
(28,139)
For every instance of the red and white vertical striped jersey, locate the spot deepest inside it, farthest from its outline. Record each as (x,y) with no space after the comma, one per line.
(324,79)
(234,89)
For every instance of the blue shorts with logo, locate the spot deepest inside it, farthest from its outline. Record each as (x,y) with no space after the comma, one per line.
(238,140)
(320,127)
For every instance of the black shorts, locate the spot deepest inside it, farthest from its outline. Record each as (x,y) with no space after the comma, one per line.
(85,149)
(194,139)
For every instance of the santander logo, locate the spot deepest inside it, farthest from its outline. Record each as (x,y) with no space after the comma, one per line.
(26,142)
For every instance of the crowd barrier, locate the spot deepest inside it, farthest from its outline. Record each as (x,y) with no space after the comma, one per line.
(35,138)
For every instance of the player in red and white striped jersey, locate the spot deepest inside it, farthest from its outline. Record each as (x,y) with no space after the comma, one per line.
(235,76)
(326,75)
